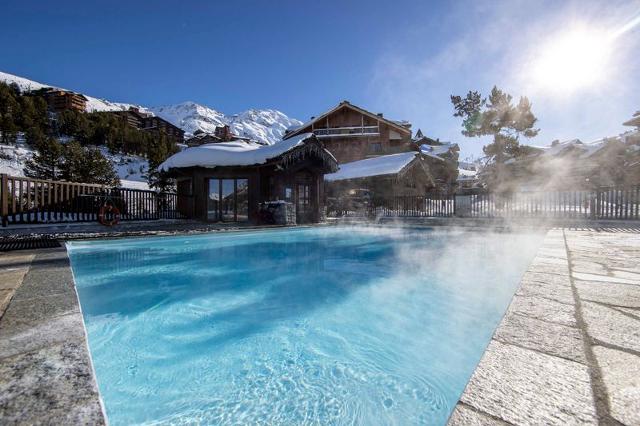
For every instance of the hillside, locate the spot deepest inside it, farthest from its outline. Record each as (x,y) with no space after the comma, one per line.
(263,125)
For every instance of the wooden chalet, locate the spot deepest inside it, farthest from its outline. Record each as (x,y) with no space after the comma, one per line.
(352,133)
(132,117)
(229,181)
(60,100)
(156,124)
(406,173)
(221,134)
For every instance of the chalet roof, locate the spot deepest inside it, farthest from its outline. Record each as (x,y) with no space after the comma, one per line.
(242,153)
(378,166)
(400,125)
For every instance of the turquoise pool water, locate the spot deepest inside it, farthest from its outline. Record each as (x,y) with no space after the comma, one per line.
(305,326)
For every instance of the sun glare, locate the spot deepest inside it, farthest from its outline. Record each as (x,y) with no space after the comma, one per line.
(572,60)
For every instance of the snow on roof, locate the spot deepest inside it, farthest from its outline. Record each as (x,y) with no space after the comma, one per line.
(437,149)
(377,166)
(234,153)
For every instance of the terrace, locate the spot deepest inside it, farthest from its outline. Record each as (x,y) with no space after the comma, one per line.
(565,351)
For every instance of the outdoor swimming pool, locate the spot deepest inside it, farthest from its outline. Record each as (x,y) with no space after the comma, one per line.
(333,325)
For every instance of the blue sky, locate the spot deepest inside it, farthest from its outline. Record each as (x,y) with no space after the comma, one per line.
(403,58)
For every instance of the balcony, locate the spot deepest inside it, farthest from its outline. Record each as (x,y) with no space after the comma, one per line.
(333,132)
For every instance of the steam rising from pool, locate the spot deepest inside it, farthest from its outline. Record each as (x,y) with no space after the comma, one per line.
(335,325)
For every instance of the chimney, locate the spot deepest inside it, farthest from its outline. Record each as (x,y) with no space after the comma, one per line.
(380,114)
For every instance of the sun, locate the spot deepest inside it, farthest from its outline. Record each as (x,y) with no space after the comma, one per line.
(572,60)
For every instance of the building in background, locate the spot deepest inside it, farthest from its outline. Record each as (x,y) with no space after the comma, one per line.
(60,100)
(352,133)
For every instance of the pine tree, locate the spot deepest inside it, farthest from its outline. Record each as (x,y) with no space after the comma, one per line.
(87,165)
(496,116)
(9,113)
(46,163)
(160,150)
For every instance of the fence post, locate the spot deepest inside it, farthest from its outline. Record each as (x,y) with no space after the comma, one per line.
(4,203)
(592,204)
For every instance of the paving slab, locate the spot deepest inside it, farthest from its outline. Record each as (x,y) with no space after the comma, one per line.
(465,416)
(522,386)
(543,309)
(52,383)
(611,327)
(553,339)
(29,337)
(627,296)
(549,289)
(621,375)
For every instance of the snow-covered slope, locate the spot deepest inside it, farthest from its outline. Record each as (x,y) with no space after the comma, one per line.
(93,104)
(262,125)
(131,169)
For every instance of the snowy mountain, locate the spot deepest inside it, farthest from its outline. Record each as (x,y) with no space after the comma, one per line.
(262,125)
(93,104)
(266,125)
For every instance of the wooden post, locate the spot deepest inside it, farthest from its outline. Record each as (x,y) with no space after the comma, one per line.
(4,193)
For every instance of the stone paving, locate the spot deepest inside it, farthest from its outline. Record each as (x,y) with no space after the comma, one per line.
(13,267)
(566,352)
(568,349)
(46,376)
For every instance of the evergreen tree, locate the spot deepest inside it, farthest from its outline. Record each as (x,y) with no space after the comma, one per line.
(496,116)
(87,165)
(159,151)
(46,162)
(9,113)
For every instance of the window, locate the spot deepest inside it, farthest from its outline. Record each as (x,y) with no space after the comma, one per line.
(228,200)
(303,198)
(288,194)
(375,147)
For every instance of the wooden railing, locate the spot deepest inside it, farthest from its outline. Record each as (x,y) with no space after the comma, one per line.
(431,205)
(603,203)
(26,201)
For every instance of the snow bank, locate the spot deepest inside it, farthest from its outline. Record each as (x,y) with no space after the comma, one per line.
(236,153)
(383,165)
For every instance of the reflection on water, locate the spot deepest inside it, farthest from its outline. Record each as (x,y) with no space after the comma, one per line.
(334,325)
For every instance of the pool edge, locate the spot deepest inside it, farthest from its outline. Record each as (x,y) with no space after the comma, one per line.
(47,371)
(526,351)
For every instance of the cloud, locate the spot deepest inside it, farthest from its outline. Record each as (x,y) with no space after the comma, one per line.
(487,43)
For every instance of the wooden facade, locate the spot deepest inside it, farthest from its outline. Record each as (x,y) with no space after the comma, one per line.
(64,100)
(235,193)
(414,179)
(351,133)
(160,125)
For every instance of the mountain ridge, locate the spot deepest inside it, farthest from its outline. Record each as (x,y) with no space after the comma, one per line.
(262,125)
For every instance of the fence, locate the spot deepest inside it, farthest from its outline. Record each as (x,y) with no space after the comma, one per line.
(26,201)
(603,203)
(432,205)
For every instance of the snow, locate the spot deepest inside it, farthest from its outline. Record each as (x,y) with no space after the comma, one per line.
(131,169)
(262,125)
(437,149)
(235,153)
(377,166)
(93,104)
(266,126)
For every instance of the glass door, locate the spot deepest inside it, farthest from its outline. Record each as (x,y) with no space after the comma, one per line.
(228,199)
(213,201)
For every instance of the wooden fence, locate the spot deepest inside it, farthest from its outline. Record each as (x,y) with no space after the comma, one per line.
(25,201)
(604,203)
(432,205)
